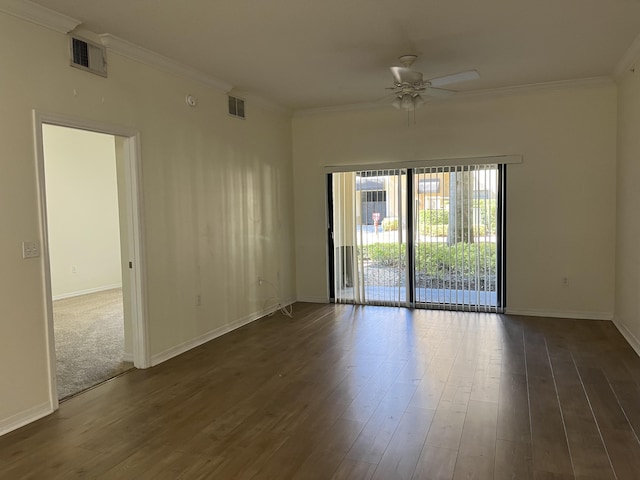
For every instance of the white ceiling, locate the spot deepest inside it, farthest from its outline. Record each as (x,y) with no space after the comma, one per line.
(319,53)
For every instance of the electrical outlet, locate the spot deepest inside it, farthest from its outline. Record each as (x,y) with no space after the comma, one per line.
(565,281)
(198,300)
(30,250)
(74,269)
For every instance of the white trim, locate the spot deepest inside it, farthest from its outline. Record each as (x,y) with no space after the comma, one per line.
(589,82)
(631,56)
(348,107)
(136,240)
(626,333)
(312,299)
(258,100)
(135,217)
(83,124)
(127,357)
(166,64)
(87,291)
(468,95)
(46,263)
(140,54)
(266,104)
(58,22)
(215,333)
(560,314)
(43,16)
(440,162)
(24,417)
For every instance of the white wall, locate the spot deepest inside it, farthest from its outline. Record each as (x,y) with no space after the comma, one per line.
(628,219)
(560,200)
(217,201)
(82,210)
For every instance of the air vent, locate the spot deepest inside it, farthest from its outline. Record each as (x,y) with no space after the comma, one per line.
(88,56)
(236,107)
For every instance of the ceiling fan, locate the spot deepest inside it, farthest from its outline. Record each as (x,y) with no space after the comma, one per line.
(409,86)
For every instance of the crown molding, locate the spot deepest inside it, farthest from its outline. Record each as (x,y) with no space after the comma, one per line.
(148,57)
(45,17)
(39,15)
(631,56)
(258,100)
(166,64)
(535,87)
(267,104)
(470,95)
(349,107)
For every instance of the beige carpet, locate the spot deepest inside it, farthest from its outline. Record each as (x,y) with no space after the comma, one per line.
(89,334)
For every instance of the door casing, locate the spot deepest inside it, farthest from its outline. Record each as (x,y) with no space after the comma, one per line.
(133,211)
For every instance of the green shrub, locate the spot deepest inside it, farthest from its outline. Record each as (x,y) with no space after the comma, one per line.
(434,230)
(443,230)
(433,217)
(461,258)
(389,224)
(433,223)
(385,254)
(436,258)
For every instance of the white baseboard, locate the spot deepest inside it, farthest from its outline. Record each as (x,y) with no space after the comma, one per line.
(215,333)
(626,333)
(563,314)
(307,299)
(86,292)
(127,357)
(26,416)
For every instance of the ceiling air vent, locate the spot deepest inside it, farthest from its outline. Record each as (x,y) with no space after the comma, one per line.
(236,107)
(88,56)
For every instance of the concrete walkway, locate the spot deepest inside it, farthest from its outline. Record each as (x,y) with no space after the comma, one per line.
(384,294)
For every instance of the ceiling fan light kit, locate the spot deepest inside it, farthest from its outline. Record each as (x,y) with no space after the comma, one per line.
(408,102)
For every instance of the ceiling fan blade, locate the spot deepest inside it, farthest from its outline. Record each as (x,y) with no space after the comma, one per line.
(438,92)
(454,78)
(405,75)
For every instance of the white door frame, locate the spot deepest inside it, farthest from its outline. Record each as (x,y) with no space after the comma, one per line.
(133,209)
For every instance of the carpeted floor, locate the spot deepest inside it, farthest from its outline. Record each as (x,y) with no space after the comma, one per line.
(89,332)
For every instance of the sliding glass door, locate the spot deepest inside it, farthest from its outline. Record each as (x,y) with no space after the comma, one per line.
(429,237)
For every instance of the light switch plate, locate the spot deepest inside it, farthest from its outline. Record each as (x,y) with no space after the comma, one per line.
(30,250)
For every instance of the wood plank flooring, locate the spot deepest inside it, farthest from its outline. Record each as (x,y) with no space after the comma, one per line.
(342,392)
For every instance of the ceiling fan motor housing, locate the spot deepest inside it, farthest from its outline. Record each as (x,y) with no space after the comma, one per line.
(407,60)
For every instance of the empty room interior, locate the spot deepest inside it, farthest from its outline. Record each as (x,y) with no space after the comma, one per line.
(349,240)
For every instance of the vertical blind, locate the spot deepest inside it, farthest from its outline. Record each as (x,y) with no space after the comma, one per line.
(369,237)
(456,237)
(451,260)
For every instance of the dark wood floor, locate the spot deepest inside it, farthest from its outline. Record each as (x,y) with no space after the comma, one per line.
(343,392)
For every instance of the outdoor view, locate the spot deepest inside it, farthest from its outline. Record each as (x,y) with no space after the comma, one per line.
(454,236)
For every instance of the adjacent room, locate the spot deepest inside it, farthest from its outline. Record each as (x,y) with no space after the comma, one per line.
(320,240)
(85,261)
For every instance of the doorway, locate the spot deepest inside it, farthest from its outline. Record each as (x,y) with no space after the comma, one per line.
(92,252)
(92,332)
(435,239)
